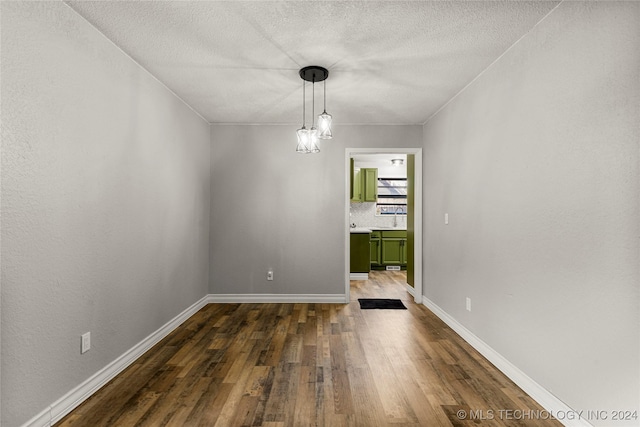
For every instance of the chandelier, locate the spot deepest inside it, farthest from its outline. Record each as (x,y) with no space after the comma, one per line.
(308,138)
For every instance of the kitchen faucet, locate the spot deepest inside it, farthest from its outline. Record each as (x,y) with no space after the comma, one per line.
(395,216)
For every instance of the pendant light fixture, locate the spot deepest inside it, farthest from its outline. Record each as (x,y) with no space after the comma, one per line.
(324,119)
(303,132)
(308,138)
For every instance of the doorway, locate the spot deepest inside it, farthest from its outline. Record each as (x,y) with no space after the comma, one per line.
(414,229)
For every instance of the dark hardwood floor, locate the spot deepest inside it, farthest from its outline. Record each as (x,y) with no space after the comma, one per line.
(311,365)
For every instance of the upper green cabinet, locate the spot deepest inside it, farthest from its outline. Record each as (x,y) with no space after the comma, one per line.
(351,180)
(356,186)
(370,185)
(364,184)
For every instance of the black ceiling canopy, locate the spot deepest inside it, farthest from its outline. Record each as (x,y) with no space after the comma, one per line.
(314,73)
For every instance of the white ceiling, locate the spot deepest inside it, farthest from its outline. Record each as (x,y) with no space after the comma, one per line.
(390,62)
(377,157)
(382,162)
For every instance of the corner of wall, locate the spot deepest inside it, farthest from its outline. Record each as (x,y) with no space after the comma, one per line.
(209,284)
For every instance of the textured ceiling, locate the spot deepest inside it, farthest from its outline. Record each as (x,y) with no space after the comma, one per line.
(389,62)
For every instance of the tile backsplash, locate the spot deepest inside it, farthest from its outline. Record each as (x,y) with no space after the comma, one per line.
(364,215)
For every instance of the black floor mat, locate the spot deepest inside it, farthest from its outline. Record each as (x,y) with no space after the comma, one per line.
(391,304)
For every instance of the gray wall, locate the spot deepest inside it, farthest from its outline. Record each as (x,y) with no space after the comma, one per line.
(536,163)
(105,204)
(106,190)
(275,208)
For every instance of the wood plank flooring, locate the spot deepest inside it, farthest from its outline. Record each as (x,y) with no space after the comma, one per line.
(277,365)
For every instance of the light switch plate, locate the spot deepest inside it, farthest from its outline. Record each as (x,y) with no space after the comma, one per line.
(86,343)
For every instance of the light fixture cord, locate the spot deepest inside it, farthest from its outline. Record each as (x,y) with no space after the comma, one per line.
(313,98)
(324,97)
(303,104)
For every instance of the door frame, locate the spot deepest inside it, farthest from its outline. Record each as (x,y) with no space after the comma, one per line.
(415,291)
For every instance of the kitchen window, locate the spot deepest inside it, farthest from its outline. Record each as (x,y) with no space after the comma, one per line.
(392,196)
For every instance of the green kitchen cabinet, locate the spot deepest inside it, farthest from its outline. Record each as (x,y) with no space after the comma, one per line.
(369,185)
(393,248)
(375,248)
(364,184)
(403,255)
(360,253)
(392,251)
(351,180)
(356,185)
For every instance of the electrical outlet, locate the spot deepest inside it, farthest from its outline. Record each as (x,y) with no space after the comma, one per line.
(86,343)
(270,275)
(468,304)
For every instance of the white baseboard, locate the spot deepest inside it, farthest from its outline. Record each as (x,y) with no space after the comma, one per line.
(538,393)
(43,419)
(417,298)
(61,407)
(278,298)
(410,289)
(358,276)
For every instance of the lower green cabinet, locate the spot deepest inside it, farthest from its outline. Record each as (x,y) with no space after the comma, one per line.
(403,254)
(360,262)
(392,251)
(375,249)
(388,247)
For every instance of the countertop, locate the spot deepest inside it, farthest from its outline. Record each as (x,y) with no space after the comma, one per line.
(364,230)
(360,230)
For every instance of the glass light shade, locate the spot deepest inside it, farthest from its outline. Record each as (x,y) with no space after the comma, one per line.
(313,141)
(303,140)
(324,126)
